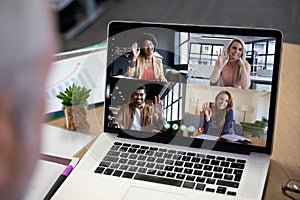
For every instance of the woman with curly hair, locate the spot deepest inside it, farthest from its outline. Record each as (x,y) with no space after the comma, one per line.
(144,65)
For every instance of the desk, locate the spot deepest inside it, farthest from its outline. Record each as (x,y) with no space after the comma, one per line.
(285,160)
(260,80)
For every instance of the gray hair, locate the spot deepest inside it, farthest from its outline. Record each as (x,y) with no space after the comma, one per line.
(26,42)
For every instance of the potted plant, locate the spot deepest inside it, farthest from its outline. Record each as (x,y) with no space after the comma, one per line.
(74,105)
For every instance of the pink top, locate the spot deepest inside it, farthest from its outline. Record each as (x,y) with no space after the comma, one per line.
(148,74)
(228,76)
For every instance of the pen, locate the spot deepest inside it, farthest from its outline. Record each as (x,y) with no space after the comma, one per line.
(61,179)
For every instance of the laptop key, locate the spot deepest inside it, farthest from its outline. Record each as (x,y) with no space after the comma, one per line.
(124,167)
(228,177)
(150,165)
(198,166)
(200,186)
(113,153)
(133,168)
(228,183)
(188,171)
(210,190)
(188,184)
(117,173)
(135,146)
(105,163)
(156,179)
(237,177)
(200,179)
(126,145)
(151,159)
(127,174)
(142,170)
(238,172)
(237,165)
(210,180)
(178,169)
(218,175)
(218,169)
(190,177)
(227,170)
(180,176)
(159,166)
(99,170)
(208,174)
(108,171)
(123,160)
(171,174)
(241,161)
(231,193)
(205,161)
(110,159)
(160,173)
(178,163)
(225,164)
(133,156)
(207,167)
(151,171)
(188,164)
(131,162)
(221,190)
(210,156)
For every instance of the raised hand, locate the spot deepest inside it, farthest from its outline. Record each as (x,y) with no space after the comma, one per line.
(207,111)
(135,50)
(223,59)
(239,61)
(158,106)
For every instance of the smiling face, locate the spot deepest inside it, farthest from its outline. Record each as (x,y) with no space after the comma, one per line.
(148,47)
(139,97)
(235,50)
(222,101)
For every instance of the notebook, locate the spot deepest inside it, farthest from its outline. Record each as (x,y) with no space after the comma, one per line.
(158,142)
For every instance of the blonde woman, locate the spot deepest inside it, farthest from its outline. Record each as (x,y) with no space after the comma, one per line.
(231,68)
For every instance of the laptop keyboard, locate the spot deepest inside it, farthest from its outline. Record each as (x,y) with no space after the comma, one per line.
(191,170)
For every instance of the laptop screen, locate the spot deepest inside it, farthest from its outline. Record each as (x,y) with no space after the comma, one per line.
(193,85)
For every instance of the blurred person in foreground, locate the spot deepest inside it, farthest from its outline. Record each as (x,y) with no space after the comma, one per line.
(28,43)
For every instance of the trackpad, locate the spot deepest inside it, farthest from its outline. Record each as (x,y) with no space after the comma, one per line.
(138,193)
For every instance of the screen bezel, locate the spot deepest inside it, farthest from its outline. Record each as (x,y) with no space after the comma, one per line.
(115,27)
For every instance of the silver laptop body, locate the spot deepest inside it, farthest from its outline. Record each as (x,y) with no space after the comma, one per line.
(176,161)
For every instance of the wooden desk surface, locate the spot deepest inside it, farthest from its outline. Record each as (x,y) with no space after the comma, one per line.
(285,160)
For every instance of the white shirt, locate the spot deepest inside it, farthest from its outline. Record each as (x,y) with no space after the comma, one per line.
(136,125)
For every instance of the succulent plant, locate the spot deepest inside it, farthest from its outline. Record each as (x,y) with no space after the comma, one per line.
(74,95)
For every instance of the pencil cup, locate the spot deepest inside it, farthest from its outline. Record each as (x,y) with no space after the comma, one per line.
(76,117)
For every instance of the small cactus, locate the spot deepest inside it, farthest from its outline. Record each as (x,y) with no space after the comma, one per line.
(74,95)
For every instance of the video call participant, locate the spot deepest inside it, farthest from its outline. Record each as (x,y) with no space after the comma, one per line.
(27,44)
(137,115)
(144,65)
(218,117)
(231,68)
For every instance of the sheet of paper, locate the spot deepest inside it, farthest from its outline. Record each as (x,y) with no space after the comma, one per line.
(207,137)
(61,142)
(44,177)
(234,138)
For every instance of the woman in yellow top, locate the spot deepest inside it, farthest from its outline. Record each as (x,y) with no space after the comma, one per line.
(144,65)
(231,68)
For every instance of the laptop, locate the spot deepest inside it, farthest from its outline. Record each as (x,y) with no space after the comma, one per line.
(177,158)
